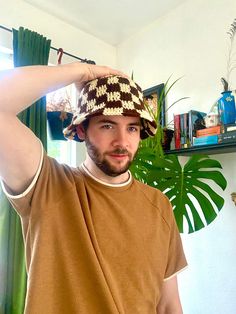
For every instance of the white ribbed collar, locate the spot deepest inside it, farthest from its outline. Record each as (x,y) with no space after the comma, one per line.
(105,183)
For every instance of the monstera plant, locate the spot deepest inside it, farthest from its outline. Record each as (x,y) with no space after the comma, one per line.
(188,187)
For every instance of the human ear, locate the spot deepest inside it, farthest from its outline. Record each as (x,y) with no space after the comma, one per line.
(80,131)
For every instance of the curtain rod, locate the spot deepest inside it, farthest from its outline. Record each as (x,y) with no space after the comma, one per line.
(56,49)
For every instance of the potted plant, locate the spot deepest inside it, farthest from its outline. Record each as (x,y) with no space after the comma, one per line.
(59,112)
(195,203)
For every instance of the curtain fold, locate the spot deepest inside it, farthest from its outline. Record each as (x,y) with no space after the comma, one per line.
(30,48)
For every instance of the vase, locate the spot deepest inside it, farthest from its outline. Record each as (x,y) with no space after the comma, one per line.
(57,122)
(226,107)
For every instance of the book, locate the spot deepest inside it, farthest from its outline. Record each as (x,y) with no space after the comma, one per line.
(177,131)
(196,122)
(214,130)
(205,140)
(228,127)
(184,130)
(227,137)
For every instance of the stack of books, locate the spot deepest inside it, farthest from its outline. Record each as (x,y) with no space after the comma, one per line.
(207,136)
(190,130)
(225,133)
(186,126)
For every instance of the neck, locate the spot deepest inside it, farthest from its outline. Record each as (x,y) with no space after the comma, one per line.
(99,174)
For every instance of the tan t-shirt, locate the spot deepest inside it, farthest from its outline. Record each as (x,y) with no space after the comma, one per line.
(93,248)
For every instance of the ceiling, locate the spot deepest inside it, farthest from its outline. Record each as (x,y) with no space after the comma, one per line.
(112,21)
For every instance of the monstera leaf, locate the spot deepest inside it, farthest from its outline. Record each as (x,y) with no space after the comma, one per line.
(194,201)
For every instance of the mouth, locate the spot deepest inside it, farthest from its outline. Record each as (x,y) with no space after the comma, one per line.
(118,156)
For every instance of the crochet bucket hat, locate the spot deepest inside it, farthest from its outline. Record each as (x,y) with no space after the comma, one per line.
(111,96)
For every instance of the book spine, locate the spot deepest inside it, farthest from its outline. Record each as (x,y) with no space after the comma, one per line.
(228,137)
(190,128)
(209,131)
(228,128)
(186,130)
(206,140)
(177,135)
(182,138)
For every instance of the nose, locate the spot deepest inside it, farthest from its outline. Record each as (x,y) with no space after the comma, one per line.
(121,138)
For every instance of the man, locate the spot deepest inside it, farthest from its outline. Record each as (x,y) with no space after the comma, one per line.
(97,241)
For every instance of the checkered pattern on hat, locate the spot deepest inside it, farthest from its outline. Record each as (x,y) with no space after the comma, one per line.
(111,96)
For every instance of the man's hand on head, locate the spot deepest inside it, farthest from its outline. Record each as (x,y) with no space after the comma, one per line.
(90,72)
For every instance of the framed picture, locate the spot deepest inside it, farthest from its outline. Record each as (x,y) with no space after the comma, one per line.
(151,96)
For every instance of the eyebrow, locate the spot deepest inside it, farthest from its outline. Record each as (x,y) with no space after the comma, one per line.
(138,123)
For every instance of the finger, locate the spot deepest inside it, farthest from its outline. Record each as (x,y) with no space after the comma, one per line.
(99,71)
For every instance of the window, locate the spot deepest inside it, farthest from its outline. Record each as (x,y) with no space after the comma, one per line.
(63,151)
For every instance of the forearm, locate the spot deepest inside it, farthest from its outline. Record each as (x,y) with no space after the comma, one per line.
(169,302)
(20,87)
(169,311)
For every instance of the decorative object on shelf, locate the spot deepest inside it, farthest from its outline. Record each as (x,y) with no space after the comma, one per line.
(195,203)
(226,107)
(233,197)
(59,109)
(211,119)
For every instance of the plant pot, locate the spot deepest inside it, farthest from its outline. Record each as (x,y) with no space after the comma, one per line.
(57,121)
(167,138)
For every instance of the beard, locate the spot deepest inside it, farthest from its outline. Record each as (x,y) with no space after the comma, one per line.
(103,163)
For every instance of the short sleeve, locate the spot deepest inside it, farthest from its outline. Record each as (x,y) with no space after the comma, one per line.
(176,257)
(21,202)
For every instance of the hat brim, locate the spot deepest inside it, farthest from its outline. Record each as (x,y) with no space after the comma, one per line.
(148,125)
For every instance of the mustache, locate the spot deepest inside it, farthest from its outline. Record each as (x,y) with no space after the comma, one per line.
(120,151)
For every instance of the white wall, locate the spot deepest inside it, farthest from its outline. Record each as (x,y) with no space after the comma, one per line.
(16,13)
(191,41)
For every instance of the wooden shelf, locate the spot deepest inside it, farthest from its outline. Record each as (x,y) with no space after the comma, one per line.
(205,149)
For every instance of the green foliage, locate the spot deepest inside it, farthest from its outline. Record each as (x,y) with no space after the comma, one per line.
(156,142)
(193,200)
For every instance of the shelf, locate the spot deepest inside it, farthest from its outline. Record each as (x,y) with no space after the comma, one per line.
(205,149)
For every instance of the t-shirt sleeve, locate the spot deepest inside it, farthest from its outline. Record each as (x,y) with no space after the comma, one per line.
(21,202)
(176,257)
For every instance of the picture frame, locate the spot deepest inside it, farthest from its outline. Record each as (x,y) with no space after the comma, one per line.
(151,96)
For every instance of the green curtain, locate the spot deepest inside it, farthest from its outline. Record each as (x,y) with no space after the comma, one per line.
(29,48)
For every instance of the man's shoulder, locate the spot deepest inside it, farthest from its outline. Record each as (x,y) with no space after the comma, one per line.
(149,190)
(59,172)
(152,194)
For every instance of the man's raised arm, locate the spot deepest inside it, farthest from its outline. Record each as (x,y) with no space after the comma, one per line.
(20,150)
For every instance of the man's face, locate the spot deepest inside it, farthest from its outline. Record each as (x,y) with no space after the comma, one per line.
(112,142)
